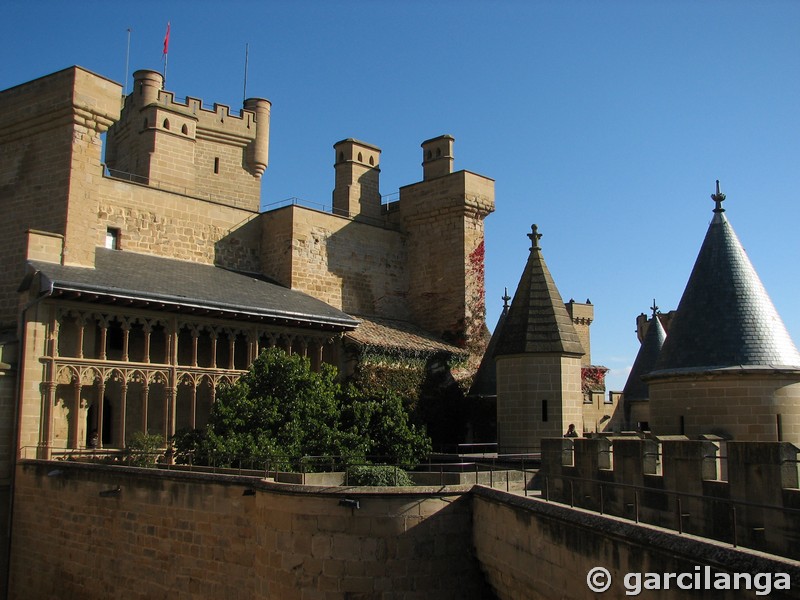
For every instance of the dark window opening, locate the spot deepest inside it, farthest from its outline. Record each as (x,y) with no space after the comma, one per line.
(112,238)
(544,410)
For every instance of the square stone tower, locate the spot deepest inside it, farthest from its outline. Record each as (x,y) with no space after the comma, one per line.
(443,217)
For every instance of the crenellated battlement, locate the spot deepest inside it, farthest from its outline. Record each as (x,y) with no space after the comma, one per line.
(745,492)
(190,146)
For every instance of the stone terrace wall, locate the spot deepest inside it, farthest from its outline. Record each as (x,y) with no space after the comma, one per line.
(533,550)
(708,478)
(187,536)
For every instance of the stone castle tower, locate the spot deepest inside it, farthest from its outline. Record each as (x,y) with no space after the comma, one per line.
(538,361)
(188,148)
(728,366)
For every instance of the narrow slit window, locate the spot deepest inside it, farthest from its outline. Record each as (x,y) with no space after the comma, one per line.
(216,165)
(544,410)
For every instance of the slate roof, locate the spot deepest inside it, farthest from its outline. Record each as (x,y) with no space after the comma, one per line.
(183,286)
(485,382)
(725,317)
(400,335)
(646,358)
(538,321)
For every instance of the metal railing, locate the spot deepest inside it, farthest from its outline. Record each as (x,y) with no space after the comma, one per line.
(512,472)
(640,505)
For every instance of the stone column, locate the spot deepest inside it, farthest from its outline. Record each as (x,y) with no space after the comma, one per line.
(103,336)
(49,401)
(126,334)
(213,335)
(123,411)
(195,336)
(74,428)
(101,393)
(145,400)
(81,326)
(148,330)
(193,409)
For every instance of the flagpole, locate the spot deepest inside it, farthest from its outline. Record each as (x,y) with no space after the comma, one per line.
(166,56)
(246,54)
(127,61)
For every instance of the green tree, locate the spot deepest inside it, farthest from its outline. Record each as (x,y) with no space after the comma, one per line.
(281,408)
(379,423)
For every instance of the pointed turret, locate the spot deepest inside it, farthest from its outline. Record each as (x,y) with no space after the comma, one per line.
(725,317)
(636,391)
(485,383)
(728,366)
(538,361)
(538,321)
(646,358)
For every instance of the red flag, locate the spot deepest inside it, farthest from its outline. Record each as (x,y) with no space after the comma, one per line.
(166,41)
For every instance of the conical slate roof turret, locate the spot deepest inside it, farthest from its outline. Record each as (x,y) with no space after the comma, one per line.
(646,358)
(725,317)
(537,320)
(485,382)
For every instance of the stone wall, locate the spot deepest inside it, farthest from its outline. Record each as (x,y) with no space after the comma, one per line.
(165,224)
(185,147)
(46,126)
(758,404)
(538,397)
(443,218)
(530,550)
(186,535)
(742,492)
(357,267)
(94,531)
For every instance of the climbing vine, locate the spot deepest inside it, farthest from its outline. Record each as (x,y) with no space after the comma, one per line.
(475,321)
(593,379)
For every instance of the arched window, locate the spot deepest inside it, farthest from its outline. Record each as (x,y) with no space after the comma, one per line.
(372,161)
(166,123)
(360,158)
(185,130)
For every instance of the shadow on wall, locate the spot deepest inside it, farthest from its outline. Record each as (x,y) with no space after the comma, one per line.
(370,262)
(238,249)
(271,540)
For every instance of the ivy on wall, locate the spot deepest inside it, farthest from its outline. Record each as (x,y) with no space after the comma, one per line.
(593,379)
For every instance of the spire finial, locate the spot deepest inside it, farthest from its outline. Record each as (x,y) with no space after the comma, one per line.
(505,299)
(654,308)
(718,198)
(535,236)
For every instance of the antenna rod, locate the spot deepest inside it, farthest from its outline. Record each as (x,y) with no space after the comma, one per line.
(246,56)
(127,57)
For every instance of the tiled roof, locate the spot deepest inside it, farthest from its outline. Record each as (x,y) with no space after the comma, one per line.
(182,285)
(400,335)
(646,358)
(485,381)
(538,321)
(725,317)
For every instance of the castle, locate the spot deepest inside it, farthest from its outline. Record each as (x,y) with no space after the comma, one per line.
(148,280)
(141,274)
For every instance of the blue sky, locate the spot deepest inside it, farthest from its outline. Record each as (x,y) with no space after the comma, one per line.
(606,123)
